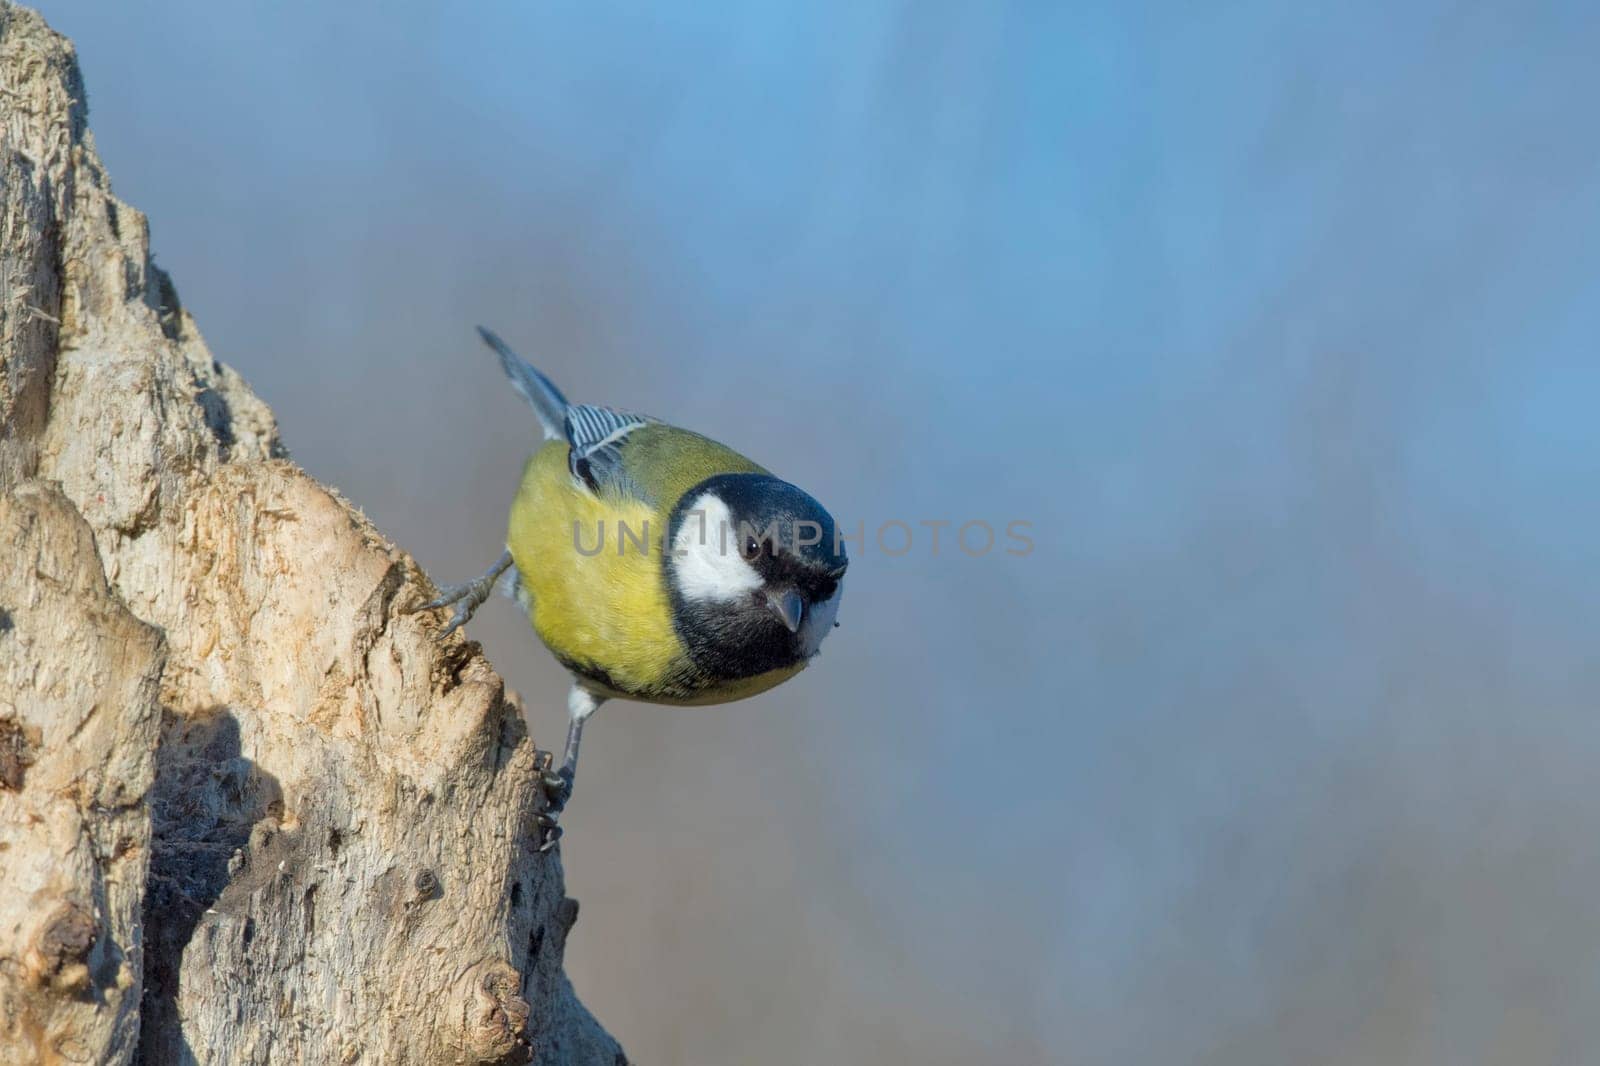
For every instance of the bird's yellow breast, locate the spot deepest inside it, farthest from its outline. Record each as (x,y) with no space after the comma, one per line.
(608,609)
(606,613)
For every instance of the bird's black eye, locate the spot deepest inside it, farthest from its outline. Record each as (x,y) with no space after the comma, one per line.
(751,548)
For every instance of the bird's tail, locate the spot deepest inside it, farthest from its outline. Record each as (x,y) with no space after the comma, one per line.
(540,392)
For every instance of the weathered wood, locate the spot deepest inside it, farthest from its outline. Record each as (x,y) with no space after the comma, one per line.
(79,724)
(250,812)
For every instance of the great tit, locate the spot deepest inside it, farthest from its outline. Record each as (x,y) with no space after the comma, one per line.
(656,564)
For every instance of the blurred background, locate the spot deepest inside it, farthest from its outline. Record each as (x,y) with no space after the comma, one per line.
(1281,327)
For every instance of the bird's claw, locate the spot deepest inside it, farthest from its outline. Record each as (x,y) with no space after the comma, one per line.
(447,595)
(557,788)
(467,596)
(459,617)
(549,822)
(467,599)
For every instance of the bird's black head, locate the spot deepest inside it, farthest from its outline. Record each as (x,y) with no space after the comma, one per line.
(755,570)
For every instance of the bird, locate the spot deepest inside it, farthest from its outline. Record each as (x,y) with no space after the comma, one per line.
(656,564)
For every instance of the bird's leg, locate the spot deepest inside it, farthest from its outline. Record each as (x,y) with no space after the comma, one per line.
(469,596)
(581,703)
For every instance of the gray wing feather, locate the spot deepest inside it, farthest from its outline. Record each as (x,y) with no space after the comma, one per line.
(594,434)
(540,392)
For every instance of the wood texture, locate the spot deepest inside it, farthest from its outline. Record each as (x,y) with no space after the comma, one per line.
(249,811)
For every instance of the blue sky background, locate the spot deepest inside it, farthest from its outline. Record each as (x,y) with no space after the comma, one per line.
(1279,324)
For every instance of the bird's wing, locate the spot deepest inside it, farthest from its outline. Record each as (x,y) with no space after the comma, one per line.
(596,435)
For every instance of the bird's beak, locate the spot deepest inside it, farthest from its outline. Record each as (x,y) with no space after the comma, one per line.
(789,606)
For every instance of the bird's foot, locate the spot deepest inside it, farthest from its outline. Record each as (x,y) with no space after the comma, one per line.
(557,787)
(468,596)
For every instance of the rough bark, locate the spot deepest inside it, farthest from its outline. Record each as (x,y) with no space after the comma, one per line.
(250,812)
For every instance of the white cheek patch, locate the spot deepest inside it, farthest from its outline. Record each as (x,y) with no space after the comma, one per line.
(819,622)
(706,561)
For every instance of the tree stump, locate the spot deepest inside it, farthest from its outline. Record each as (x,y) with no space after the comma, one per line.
(250,811)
